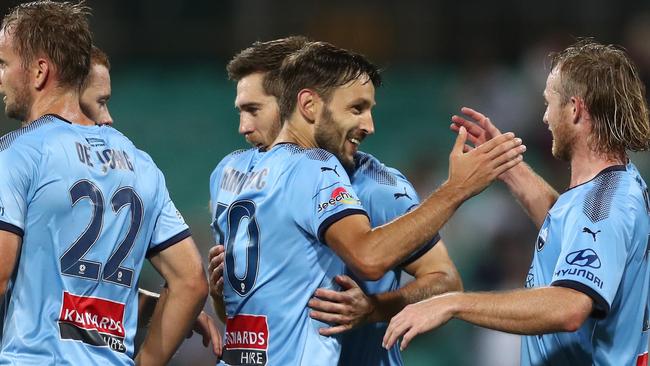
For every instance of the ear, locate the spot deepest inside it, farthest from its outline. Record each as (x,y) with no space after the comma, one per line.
(41,73)
(577,109)
(309,104)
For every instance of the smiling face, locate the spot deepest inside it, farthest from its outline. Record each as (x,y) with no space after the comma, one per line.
(14,80)
(259,115)
(346,119)
(558,118)
(95,95)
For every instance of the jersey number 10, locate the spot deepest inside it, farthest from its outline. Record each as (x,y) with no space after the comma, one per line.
(239,210)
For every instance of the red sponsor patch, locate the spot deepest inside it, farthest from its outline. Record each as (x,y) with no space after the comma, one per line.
(642,360)
(92,313)
(248,332)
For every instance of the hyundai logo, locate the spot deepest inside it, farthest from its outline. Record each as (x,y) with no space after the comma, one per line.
(583,258)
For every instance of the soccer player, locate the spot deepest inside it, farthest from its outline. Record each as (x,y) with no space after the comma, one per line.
(95,94)
(287,215)
(80,209)
(377,187)
(586,301)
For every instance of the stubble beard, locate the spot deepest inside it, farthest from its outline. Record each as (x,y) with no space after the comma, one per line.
(327,137)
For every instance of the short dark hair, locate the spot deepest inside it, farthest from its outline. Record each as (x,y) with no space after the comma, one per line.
(322,67)
(264,57)
(59,30)
(608,81)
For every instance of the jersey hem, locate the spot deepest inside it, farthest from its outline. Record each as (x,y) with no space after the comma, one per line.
(168,243)
(336,217)
(5,226)
(601,307)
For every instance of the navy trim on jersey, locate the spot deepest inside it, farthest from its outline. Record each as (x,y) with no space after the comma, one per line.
(5,226)
(601,307)
(169,242)
(421,251)
(8,139)
(336,217)
(612,168)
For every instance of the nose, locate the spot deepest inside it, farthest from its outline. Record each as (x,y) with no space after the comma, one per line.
(545,117)
(367,125)
(245,126)
(107,119)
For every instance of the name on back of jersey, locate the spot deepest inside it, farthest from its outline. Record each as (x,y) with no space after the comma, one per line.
(235,181)
(104,159)
(93,321)
(247,340)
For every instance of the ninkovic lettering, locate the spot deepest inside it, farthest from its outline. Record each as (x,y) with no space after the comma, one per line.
(235,181)
(580,273)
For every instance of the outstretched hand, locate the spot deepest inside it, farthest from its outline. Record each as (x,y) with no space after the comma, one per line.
(473,169)
(416,319)
(205,326)
(347,308)
(479,127)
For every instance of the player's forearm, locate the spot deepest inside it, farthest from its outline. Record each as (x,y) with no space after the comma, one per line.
(219,307)
(172,321)
(388,304)
(379,253)
(532,192)
(147,301)
(528,311)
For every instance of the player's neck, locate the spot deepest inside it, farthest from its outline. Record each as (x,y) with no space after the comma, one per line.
(586,164)
(299,133)
(59,102)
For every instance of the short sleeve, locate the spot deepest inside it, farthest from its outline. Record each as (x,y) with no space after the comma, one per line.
(388,202)
(170,227)
(19,168)
(593,259)
(322,195)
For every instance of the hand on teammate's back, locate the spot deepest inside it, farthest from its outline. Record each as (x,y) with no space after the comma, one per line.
(472,170)
(345,309)
(215,270)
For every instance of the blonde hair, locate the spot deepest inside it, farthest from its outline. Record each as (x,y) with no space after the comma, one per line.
(609,84)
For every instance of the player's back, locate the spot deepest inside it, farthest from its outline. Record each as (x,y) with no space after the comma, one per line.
(87,204)
(271,210)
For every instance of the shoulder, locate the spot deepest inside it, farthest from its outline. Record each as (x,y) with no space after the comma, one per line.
(370,167)
(614,190)
(28,135)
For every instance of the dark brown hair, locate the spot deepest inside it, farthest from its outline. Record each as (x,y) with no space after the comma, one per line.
(322,67)
(57,30)
(264,57)
(608,82)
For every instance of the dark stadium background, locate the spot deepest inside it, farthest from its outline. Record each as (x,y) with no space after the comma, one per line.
(172,98)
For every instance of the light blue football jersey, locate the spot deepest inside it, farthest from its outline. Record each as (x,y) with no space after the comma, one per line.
(385,194)
(89,207)
(271,210)
(595,240)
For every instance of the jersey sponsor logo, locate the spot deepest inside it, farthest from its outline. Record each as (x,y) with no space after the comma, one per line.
(339,196)
(589,231)
(328,169)
(92,320)
(400,195)
(642,360)
(247,340)
(584,273)
(95,142)
(583,258)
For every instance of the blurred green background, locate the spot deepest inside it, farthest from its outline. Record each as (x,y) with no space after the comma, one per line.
(172,98)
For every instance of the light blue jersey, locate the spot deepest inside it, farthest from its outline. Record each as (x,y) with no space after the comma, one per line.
(595,240)
(271,211)
(385,194)
(89,206)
